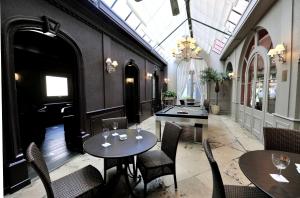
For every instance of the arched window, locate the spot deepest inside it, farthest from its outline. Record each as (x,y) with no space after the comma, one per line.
(253,75)
(245,61)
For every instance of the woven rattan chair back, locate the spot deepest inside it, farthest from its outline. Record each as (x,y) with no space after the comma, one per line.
(218,186)
(170,139)
(36,160)
(122,122)
(287,140)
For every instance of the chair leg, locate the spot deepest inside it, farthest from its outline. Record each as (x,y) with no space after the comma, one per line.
(145,189)
(175,181)
(174,175)
(104,175)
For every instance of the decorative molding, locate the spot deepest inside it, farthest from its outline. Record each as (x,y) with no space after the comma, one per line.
(268,124)
(280,124)
(146,101)
(286,118)
(106,110)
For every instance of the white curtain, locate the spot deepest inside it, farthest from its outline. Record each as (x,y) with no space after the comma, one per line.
(198,66)
(183,69)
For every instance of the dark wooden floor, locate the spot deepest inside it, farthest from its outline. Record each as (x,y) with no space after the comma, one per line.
(54,149)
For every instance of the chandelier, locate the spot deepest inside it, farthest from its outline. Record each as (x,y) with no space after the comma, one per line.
(187,48)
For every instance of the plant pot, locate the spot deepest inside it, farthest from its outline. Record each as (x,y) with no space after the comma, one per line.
(215,109)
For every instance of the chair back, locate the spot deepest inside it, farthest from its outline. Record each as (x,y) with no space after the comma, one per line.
(218,186)
(280,139)
(122,122)
(170,139)
(36,160)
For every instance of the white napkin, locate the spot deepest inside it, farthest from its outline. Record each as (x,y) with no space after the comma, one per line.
(106,144)
(115,134)
(123,137)
(298,167)
(139,137)
(279,178)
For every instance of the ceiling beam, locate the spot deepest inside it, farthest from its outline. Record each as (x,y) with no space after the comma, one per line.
(249,21)
(211,27)
(189,18)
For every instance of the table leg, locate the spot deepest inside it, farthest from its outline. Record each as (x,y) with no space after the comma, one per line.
(198,130)
(204,132)
(126,175)
(158,129)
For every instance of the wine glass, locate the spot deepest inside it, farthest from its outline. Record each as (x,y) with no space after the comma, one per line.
(280,161)
(138,129)
(115,127)
(105,134)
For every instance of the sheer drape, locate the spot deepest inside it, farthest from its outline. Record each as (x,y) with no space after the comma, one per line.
(198,66)
(183,69)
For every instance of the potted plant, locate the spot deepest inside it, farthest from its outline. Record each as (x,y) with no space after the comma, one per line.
(169,97)
(209,75)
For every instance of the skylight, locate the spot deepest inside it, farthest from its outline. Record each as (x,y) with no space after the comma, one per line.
(153,21)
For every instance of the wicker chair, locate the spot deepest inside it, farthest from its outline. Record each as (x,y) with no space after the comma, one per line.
(156,163)
(219,189)
(86,182)
(282,139)
(122,124)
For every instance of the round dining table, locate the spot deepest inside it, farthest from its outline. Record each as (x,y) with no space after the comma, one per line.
(257,167)
(122,149)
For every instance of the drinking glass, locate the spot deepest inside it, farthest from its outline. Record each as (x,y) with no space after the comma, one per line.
(105,134)
(138,129)
(280,161)
(115,127)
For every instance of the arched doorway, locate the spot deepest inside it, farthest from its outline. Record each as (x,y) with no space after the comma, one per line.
(15,59)
(46,73)
(155,93)
(132,92)
(258,84)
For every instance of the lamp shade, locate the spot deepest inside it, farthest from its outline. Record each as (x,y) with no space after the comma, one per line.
(272,52)
(279,48)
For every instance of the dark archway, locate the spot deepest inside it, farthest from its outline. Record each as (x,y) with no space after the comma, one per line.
(46,73)
(229,68)
(132,92)
(14,163)
(228,84)
(156,106)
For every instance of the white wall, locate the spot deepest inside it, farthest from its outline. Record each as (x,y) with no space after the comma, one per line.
(1,137)
(283,24)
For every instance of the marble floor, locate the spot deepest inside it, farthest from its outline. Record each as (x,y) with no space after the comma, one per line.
(228,140)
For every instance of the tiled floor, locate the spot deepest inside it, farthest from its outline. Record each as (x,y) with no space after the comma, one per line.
(229,142)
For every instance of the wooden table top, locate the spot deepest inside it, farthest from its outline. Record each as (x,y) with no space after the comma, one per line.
(257,167)
(120,148)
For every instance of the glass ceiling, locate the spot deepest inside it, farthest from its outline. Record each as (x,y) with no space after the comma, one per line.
(154,22)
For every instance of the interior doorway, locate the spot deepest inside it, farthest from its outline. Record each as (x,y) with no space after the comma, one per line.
(46,90)
(155,93)
(132,92)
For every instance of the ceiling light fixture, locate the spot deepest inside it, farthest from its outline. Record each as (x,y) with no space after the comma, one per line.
(187,48)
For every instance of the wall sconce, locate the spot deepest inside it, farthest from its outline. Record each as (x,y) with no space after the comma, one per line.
(111,65)
(280,51)
(17,77)
(50,26)
(149,75)
(166,80)
(231,75)
(129,80)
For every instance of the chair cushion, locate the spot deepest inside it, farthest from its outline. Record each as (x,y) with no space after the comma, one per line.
(80,183)
(155,158)
(243,191)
